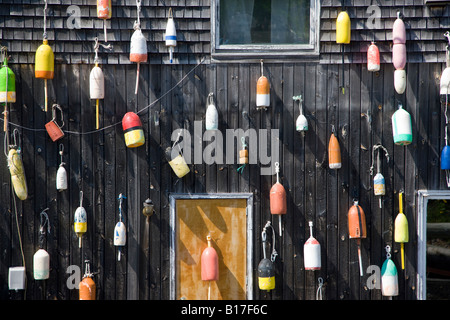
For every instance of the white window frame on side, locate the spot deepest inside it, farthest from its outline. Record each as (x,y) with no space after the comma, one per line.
(267,51)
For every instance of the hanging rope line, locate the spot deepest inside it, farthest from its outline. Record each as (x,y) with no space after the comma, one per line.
(117,123)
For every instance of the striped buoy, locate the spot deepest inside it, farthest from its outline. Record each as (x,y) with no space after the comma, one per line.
(389,276)
(262,91)
(171,35)
(311,252)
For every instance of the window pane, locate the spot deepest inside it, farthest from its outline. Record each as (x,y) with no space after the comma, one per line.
(264,22)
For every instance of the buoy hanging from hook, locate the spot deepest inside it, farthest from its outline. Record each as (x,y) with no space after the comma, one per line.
(44,61)
(301,125)
(278,205)
(266,267)
(379,183)
(7,86)
(262,90)
(61,174)
(80,220)
(104,11)
(357,228)
(138,47)
(171,35)
(41,259)
(401,232)
(389,276)
(211,117)
(120,232)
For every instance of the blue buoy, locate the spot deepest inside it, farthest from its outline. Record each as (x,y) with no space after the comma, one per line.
(445,158)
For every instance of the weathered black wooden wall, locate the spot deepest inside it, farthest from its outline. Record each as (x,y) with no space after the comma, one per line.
(101,166)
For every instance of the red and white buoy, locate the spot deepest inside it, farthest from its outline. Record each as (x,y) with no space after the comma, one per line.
(373,58)
(138,47)
(104,11)
(262,91)
(311,252)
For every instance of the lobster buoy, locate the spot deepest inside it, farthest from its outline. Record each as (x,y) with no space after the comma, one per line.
(343,28)
(171,35)
(401,233)
(211,117)
(357,228)
(399,56)
(445,158)
(120,232)
(266,267)
(41,259)
(389,276)
(138,51)
(7,84)
(373,58)
(80,221)
(132,129)
(278,204)
(41,265)
(87,287)
(311,252)
(61,178)
(17,171)
(262,90)
(445,85)
(399,31)
(379,183)
(301,125)
(104,11)
(401,127)
(7,88)
(400,81)
(44,67)
(97,88)
(334,153)
(209,264)
(177,163)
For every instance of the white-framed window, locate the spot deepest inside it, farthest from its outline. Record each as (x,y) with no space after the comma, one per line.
(269,28)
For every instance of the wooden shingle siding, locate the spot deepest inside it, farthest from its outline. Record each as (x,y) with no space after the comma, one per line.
(102,166)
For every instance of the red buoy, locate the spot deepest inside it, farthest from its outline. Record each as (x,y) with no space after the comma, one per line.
(278,203)
(132,128)
(210,263)
(357,228)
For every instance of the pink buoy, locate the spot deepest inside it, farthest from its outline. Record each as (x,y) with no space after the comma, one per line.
(399,31)
(399,56)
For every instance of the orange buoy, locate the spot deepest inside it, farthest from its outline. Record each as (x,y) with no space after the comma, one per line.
(104,11)
(357,228)
(278,203)
(209,264)
(373,58)
(87,285)
(262,91)
(334,152)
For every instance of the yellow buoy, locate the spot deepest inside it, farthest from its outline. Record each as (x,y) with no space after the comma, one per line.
(44,66)
(343,30)
(401,233)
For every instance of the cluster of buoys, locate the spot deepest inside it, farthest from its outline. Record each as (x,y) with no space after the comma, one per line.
(399,54)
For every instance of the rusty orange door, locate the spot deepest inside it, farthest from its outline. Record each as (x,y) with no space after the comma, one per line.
(225,220)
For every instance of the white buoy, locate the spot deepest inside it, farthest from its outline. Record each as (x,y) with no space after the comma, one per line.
(171,35)
(120,232)
(211,117)
(61,174)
